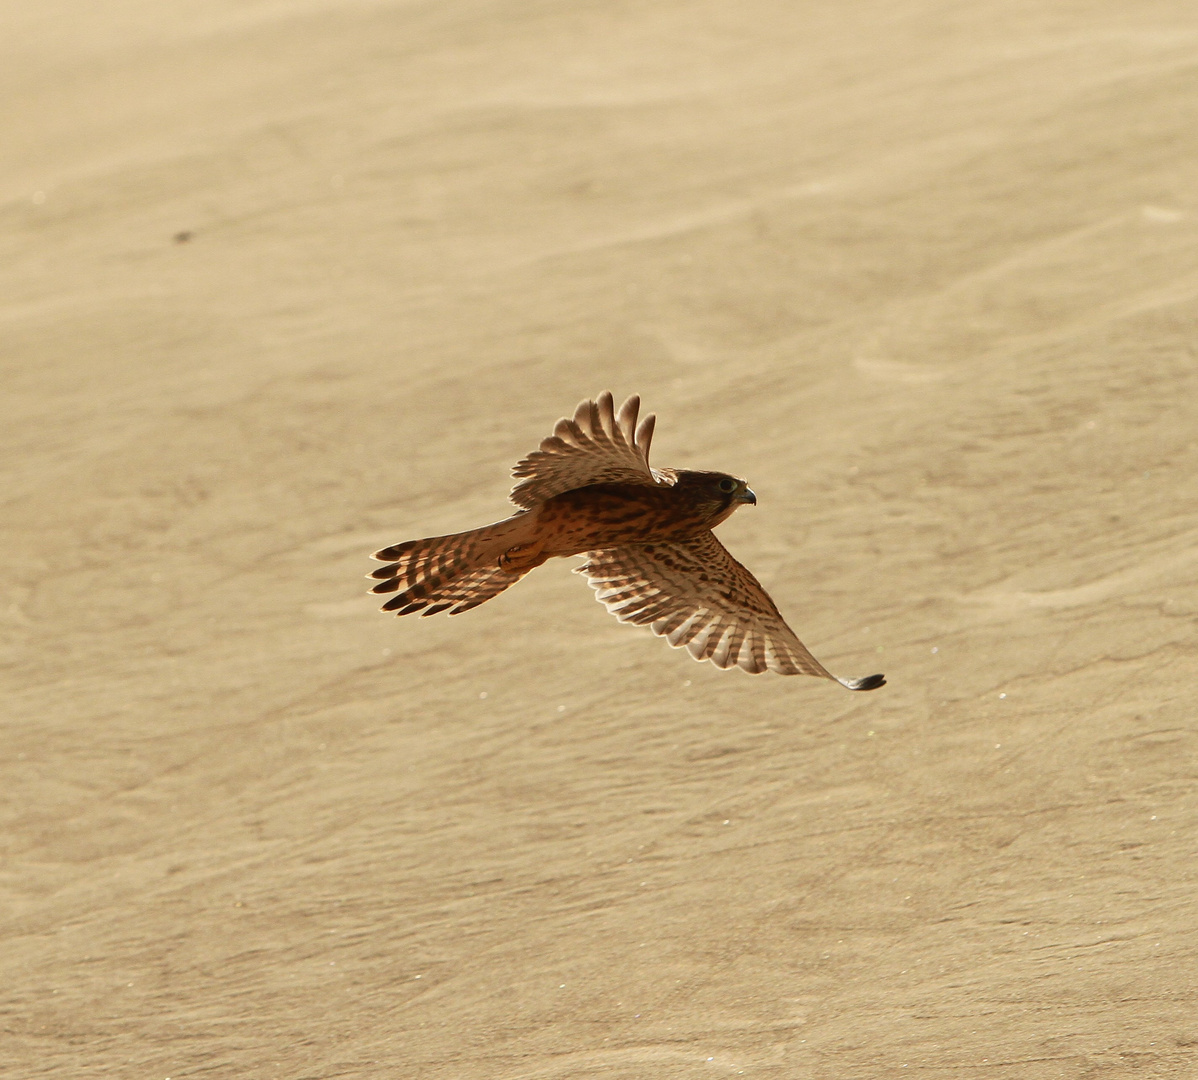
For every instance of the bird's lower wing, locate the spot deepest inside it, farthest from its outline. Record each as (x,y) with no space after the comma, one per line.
(694,593)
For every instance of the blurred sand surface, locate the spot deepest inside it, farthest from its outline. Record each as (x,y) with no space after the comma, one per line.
(282,281)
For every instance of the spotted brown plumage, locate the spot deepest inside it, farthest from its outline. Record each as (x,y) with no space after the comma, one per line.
(646,533)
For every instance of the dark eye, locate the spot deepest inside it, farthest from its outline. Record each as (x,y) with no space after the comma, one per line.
(727,485)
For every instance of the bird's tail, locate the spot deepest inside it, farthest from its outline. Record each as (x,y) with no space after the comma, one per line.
(451,573)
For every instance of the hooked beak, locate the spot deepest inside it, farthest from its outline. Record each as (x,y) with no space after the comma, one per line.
(747,496)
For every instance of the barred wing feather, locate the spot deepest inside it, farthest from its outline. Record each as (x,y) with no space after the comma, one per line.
(598,446)
(694,593)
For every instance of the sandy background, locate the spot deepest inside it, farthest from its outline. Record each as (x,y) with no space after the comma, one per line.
(926,273)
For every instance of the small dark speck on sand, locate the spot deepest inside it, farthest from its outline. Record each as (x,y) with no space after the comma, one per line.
(183,237)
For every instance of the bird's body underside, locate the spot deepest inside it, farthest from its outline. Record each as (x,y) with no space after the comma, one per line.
(651,554)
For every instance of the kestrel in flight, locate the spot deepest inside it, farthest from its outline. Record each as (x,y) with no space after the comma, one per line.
(646,534)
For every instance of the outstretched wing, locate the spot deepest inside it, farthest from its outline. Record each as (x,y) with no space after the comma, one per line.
(694,593)
(596,447)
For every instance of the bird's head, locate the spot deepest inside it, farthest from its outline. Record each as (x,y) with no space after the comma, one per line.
(715,494)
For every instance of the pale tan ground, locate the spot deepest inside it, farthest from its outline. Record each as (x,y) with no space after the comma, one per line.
(925,273)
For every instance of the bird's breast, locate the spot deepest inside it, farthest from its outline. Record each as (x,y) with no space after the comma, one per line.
(612,515)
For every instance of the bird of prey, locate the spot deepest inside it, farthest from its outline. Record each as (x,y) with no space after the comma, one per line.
(646,534)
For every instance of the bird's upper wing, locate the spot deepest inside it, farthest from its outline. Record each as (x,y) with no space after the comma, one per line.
(598,446)
(694,593)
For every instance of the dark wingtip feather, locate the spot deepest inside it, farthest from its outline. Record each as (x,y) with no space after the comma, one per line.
(404,603)
(870,682)
(390,554)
